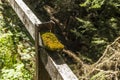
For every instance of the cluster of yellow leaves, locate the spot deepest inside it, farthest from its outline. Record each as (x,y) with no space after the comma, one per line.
(51,42)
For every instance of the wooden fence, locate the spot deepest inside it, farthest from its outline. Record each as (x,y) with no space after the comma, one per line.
(48,66)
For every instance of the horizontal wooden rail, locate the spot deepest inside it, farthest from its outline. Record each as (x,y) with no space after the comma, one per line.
(54,64)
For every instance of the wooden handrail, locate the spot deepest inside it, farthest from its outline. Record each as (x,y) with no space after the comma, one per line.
(53,63)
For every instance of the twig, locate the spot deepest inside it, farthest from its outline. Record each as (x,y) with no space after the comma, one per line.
(107,72)
(102,56)
(107,59)
(105,52)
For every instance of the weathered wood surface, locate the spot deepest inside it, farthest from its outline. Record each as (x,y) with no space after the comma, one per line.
(56,67)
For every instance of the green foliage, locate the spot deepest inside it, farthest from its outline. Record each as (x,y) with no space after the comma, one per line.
(93,4)
(11,37)
(18,72)
(6,50)
(11,68)
(97,4)
(87,26)
(98,25)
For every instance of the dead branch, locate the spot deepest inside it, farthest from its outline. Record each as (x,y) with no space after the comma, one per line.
(106,51)
(71,54)
(107,72)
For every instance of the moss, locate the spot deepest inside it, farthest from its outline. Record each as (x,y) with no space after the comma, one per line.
(51,42)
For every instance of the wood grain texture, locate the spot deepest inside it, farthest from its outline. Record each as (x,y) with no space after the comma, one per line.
(54,64)
(25,15)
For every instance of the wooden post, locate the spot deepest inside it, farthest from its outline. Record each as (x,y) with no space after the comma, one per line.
(41,73)
(46,61)
(37,54)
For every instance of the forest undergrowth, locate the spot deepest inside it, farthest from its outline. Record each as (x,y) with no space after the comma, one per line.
(92,27)
(16,49)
